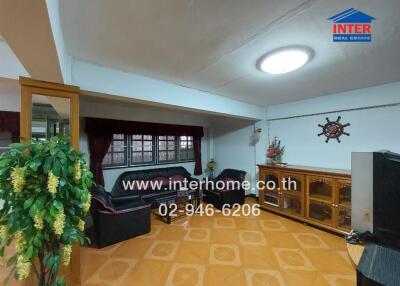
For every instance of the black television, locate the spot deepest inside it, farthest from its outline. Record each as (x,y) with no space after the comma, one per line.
(376,195)
(386,200)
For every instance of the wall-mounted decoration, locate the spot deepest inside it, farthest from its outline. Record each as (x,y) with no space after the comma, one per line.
(255,137)
(333,129)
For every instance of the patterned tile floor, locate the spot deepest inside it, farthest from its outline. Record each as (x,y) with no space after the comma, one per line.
(267,250)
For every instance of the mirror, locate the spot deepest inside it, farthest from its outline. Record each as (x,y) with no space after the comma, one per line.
(50,116)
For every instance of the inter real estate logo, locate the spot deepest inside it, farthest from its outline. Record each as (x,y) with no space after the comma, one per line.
(352,26)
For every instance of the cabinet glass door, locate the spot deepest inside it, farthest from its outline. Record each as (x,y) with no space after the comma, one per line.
(271,199)
(344,204)
(344,193)
(321,212)
(292,183)
(272,181)
(345,218)
(292,205)
(321,189)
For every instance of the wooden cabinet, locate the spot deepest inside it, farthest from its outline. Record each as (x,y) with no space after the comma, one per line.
(317,196)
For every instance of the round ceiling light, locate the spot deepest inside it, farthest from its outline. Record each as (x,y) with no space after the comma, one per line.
(285,60)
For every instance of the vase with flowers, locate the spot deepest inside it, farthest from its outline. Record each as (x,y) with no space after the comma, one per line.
(211,167)
(45,189)
(275,151)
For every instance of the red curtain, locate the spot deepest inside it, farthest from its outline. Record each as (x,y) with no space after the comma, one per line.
(198,170)
(9,121)
(98,147)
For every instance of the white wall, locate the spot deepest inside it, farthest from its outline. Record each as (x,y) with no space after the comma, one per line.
(10,95)
(91,107)
(10,66)
(105,80)
(371,128)
(234,148)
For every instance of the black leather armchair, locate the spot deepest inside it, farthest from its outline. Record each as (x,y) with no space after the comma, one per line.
(118,219)
(232,193)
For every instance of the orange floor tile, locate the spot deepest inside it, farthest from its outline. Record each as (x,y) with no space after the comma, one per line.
(267,250)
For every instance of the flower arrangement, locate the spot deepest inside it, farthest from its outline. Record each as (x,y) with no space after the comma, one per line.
(275,151)
(45,189)
(211,167)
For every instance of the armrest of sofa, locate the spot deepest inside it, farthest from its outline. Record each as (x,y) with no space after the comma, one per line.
(123,198)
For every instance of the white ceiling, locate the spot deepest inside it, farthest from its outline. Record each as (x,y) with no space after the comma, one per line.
(214,45)
(25,26)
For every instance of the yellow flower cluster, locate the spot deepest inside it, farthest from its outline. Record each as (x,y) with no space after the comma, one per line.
(67,250)
(38,219)
(3,233)
(86,205)
(58,224)
(18,179)
(81,225)
(23,267)
(19,241)
(78,172)
(52,183)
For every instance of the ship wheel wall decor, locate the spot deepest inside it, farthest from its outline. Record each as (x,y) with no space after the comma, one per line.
(333,129)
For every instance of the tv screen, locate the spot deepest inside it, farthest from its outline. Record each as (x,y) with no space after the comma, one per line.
(386,198)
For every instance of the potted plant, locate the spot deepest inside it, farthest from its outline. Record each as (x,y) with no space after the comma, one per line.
(211,167)
(45,189)
(275,151)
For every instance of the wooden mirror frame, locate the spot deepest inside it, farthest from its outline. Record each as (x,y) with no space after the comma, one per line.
(30,87)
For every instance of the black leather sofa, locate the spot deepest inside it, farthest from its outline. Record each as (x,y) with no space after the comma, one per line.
(230,196)
(165,177)
(118,219)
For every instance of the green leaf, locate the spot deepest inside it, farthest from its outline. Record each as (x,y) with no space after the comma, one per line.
(35,164)
(63,182)
(56,168)
(5,162)
(33,210)
(37,241)
(47,164)
(58,205)
(29,252)
(60,281)
(40,202)
(17,146)
(28,202)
